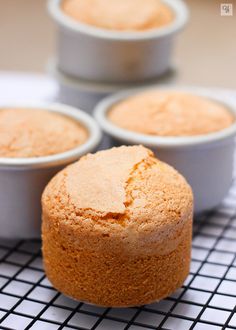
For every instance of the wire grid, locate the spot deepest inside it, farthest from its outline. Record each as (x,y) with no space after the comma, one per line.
(206,301)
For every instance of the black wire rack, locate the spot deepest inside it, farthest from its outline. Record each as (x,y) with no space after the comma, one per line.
(207,299)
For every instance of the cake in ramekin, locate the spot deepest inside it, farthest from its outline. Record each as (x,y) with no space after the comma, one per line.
(192,129)
(117,228)
(116,41)
(37,140)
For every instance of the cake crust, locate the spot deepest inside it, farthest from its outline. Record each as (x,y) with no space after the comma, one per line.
(28,133)
(115,15)
(170,113)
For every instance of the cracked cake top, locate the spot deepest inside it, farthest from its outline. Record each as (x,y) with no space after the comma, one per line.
(123,193)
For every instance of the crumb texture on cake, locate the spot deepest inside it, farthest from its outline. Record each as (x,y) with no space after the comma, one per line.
(170,113)
(123,15)
(117,228)
(111,278)
(35,133)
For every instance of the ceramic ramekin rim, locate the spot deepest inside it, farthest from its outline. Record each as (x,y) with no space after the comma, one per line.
(71,155)
(178,6)
(126,136)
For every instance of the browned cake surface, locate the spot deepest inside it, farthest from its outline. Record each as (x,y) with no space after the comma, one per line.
(123,15)
(117,228)
(35,133)
(170,113)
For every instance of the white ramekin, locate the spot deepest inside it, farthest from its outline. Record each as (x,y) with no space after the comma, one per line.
(97,54)
(86,94)
(206,161)
(22,180)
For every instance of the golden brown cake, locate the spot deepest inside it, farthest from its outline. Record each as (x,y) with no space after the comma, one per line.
(117,228)
(34,133)
(121,15)
(170,113)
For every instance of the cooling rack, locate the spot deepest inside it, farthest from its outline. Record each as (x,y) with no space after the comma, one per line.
(207,300)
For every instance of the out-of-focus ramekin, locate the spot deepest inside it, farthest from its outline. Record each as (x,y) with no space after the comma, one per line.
(86,94)
(22,180)
(206,161)
(88,52)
